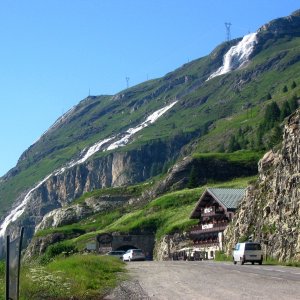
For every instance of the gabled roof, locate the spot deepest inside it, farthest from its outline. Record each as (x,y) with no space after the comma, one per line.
(228,198)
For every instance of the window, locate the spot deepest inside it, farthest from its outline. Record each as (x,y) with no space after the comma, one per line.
(252,247)
(137,251)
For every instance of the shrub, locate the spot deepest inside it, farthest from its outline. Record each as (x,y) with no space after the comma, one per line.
(243,238)
(55,250)
(221,256)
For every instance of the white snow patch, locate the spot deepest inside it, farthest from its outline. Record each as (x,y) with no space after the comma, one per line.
(131,131)
(19,209)
(237,55)
(91,151)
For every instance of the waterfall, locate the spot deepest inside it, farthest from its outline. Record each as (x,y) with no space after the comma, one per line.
(237,55)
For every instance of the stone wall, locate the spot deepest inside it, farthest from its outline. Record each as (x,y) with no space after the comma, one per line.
(270,211)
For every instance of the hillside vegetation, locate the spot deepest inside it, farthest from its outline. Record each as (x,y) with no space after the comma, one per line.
(222,114)
(212,135)
(164,215)
(95,276)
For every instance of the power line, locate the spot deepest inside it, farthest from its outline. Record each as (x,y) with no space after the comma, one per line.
(228,33)
(127,81)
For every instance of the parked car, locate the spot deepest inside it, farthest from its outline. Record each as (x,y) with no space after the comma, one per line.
(134,254)
(116,253)
(247,252)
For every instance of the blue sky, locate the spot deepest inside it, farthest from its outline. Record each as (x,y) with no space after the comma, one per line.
(54,51)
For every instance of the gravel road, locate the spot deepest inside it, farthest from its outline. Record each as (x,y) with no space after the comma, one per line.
(207,280)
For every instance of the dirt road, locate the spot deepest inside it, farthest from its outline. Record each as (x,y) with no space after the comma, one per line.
(208,280)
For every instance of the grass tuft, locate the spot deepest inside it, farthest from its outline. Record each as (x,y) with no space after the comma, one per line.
(75,277)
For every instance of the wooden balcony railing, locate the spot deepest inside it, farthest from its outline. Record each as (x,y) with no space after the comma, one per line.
(205,243)
(210,228)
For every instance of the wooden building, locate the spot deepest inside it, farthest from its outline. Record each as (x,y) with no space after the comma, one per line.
(214,210)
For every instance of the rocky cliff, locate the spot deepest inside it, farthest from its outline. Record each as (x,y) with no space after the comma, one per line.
(57,192)
(270,211)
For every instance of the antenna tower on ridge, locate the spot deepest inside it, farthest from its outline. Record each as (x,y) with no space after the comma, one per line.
(228,33)
(127,81)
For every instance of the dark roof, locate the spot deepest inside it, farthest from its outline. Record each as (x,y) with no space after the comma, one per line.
(228,198)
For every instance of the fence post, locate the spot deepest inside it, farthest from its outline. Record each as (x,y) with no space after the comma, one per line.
(7,269)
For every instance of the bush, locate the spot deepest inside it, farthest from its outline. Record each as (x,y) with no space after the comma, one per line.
(55,250)
(243,238)
(221,256)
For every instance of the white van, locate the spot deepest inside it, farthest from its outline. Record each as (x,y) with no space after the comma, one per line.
(247,252)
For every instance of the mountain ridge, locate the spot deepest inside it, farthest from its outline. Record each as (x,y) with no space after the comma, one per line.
(202,109)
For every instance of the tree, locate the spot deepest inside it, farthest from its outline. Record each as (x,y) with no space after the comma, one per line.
(221,148)
(259,137)
(293,85)
(272,115)
(293,103)
(193,178)
(276,136)
(284,89)
(233,144)
(285,110)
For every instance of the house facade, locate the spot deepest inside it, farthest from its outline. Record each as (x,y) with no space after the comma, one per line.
(214,210)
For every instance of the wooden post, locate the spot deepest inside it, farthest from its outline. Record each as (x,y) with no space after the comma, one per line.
(7,269)
(19,261)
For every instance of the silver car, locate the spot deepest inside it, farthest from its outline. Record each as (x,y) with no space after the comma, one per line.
(116,253)
(134,254)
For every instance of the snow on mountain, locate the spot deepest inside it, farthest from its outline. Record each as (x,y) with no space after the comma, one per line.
(102,145)
(19,209)
(237,55)
(131,131)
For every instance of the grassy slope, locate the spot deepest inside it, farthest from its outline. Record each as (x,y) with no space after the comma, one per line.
(2,279)
(99,117)
(94,277)
(166,214)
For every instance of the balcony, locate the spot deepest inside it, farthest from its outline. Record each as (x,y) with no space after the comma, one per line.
(206,243)
(205,228)
(211,211)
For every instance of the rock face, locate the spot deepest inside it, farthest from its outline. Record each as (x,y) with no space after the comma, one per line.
(282,26)
(58,191)
(169,244)
(69,215)
(206,168)
(270,211)
(75,213)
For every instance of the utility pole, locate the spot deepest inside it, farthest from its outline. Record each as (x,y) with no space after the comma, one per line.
(228,33)
(127,81)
